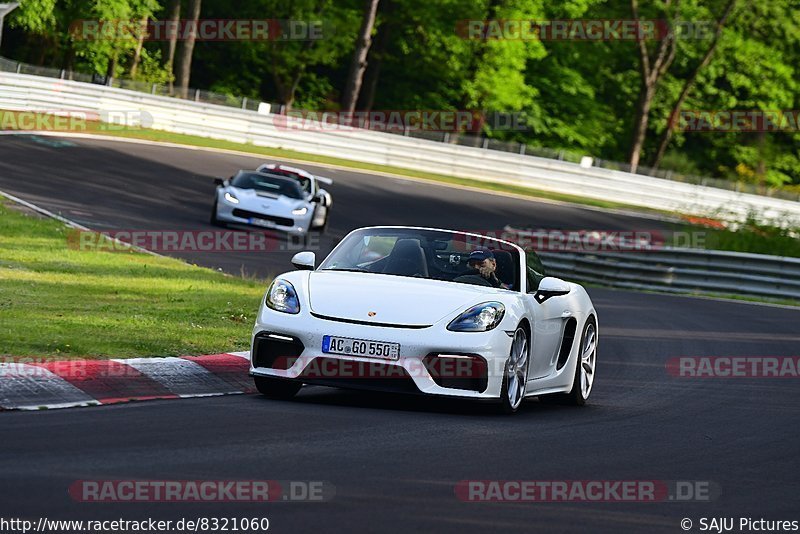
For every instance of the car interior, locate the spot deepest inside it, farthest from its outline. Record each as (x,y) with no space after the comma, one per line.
(411,256)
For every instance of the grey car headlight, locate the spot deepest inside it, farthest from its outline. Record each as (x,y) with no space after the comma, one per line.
(300,211)
(282,297)
(480,318)
(230,197)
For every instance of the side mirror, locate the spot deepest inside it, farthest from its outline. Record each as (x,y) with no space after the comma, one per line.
(219,181)
(550,287)
(305,261)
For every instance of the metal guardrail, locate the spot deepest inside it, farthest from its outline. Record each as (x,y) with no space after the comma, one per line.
(682,271)
(210,97)
(34,93)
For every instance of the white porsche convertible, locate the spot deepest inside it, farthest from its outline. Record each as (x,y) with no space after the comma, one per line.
(426,311)
(274,197)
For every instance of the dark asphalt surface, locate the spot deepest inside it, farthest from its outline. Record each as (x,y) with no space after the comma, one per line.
(393,460)
(108,185)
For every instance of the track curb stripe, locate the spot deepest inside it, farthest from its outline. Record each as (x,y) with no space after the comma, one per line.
(73,383)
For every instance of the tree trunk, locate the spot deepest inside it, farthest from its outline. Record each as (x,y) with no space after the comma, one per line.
(111,67)
(187,50)
(375,59)
(475,60)
(287,89)
(646,93)
(761,165)
(652,71)
(359,62)
(137,54)
(69,59)
(174,19)
(688,85)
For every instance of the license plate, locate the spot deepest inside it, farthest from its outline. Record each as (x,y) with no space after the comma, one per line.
(360,347)
(261,222)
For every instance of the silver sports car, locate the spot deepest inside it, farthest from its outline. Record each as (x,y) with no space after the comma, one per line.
(274,197)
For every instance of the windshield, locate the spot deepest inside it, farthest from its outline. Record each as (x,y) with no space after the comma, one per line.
(275,185)
(431,254)
(304,182)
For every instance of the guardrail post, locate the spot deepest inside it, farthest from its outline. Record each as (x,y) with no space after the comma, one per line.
(522,149)
(446,138)
(19,68)
(62,75)
(153,89)
(485,142)
(197,95)
(244,102)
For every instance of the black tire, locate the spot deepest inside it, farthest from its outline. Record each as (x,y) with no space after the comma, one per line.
(213,219)
(321,229)
(575,396)
(506,405)
(277,388)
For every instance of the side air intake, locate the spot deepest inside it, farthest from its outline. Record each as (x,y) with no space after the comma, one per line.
(566,342)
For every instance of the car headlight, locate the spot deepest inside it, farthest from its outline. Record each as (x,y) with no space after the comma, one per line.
(480,318)
(231,198)
(300,211)
(282,297)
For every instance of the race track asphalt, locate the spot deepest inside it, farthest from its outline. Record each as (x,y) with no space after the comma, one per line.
(394,461)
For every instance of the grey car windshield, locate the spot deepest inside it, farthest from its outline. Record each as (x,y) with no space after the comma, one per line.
(419,253)
(277,185)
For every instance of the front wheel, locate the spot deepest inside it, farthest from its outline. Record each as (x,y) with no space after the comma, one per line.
(319,221)
(277,388)
(213,219)
(512,391)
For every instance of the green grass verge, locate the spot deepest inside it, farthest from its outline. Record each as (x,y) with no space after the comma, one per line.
(61,303)
(754,239)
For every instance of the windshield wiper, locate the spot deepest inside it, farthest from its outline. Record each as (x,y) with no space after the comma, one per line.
(348,270)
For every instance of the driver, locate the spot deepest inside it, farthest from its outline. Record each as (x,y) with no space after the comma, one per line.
(482,267)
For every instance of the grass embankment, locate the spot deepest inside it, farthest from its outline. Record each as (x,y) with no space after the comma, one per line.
(61,303)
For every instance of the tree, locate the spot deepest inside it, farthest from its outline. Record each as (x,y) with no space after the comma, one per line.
(184,73)
(174,17)
(358,63)
(688,85)
(652,70)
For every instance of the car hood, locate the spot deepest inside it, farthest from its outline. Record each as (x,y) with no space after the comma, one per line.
(394,300)
(250,200)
